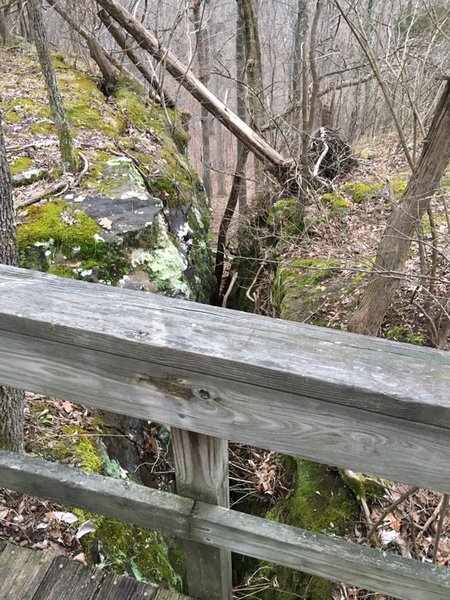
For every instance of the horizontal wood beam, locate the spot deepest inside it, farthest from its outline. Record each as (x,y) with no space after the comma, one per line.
(326,556)
(113,498)
(352,401)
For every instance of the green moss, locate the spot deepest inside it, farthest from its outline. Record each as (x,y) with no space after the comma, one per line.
(11,116)
(445,183)
(361,191)
(336,200)
(399,185)
(148,555)
(85,104)
(321,504)
(43,129)
(134,107)
(163,261)
(20,164)
(366,153)
(285,219)
(337,203)
(55,226)
(299,285)
(399,333)
(362,485)
(59,61)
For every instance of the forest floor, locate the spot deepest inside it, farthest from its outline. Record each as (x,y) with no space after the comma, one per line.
(408,520)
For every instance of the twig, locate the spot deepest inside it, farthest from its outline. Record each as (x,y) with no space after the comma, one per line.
(83,172)
(440,524)
(255,279)
(385,513)
(57,187)
(230,287)
(430,520)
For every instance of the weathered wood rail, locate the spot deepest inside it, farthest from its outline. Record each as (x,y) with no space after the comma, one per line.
(342,399)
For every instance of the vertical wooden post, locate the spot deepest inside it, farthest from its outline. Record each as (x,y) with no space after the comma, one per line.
(201,464)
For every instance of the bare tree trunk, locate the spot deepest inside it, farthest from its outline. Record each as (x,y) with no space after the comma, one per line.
(241,109)
(66,145)
(283,169)
(253,72)
(226,220)
(396,241)
(198,8)
(11,400)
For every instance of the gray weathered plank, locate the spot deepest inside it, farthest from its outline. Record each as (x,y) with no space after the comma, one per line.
(216,526)
(117,499)
(21,572)
(326,556)
(68,579)
(352,401)
(201,465)
(114,587)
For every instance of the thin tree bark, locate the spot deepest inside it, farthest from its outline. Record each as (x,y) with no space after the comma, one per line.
(396,241)
(241,109)
(226,219)
(283,169)
(66,145)
(198,8)
(253,75)
(11,400)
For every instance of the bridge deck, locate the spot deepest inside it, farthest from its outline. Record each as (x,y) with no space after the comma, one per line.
(33,575)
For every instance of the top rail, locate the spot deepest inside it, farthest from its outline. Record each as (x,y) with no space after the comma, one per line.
(352,401)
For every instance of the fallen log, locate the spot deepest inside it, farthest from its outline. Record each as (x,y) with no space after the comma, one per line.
(284,170)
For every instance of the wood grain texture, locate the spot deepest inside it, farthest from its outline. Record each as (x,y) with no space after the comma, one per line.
(68,579)
(114,587)
(117,499)
(232,531)
(21,572)
(27,574)
(352,401)
(320,555)
(201,466)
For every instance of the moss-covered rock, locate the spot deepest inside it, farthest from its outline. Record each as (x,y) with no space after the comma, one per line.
(320,503)
(143,214)
(301,285)
(285,219)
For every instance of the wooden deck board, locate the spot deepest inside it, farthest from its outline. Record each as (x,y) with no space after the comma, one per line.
(21,572)
(33,575)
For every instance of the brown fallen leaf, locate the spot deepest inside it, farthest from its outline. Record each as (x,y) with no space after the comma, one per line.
(105,223)
(68,407)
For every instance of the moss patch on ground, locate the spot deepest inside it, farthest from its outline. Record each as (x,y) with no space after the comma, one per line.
(361,191)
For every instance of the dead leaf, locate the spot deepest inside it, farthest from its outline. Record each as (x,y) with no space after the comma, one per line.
(84,528)
(68,407)
(81,558)
(65,517)
(105,223)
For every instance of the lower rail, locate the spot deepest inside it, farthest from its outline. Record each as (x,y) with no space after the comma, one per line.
(189,519)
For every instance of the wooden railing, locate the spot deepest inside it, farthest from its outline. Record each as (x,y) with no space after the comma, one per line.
(215,375)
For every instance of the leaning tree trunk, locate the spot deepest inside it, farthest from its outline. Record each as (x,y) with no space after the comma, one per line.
(396,241)
(283,169)
(66,145)
(11,400)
